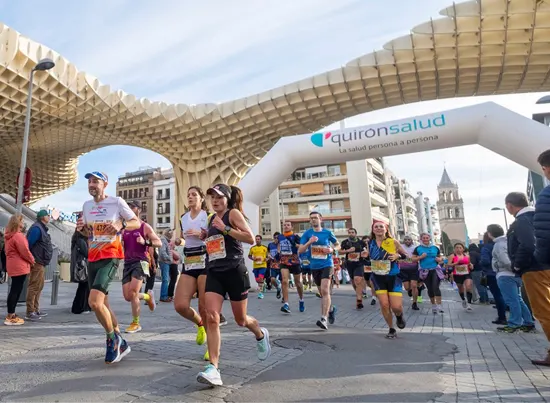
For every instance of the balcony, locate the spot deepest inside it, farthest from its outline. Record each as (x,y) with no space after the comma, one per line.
(327,213)
(298,197)
(377,215)
(163,196)
(410,203)
(377,182)
(326,179)
(376,166)
(164,225)
(377,200)
(163,211)
(412,218)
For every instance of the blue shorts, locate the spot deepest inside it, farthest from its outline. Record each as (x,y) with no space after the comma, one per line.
(384,284)
(259,274)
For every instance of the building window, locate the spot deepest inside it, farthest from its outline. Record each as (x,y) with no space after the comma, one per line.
(135,193)
(144,218)
(167,208)
(457,212)
(120,193)
(299,175)
(266,228)
(167,193)
(146,191)
(303,208)
(320,207)
(265,211)
(335,189)
(334,170)
(167,220)
(144,207)
(160,208)
(140,193)
(159,194)
(303,226)
(337,206)
(159,220)
(125,197)
(339,225)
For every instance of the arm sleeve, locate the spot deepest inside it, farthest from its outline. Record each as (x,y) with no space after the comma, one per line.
(33,236)
(125,211)
(525,235)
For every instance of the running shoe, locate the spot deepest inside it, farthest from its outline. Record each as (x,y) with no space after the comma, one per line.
(415,307)
(124,348)
(263,345)
(364,294)
(373,302)
(260,295)
(302,306)
(133,328)
(201,335)
(469,307)
(285,308)
(332,315)
(392,334)
(210,376)
(13,320)
(360,304)
(322,324)
(42,314)
(279,293)
(500,322)
(508,329)
(151,303)
(223,321)
(528,329)
(419,299)
(440,309)
(318,295)
(206,356)
(434,310)
(112,353)
(32,316)
(401,321)
(464,304)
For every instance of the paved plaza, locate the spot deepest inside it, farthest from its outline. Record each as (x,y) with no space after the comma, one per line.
(456,356)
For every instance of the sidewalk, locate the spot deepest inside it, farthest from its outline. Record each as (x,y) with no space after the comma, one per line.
(457,356)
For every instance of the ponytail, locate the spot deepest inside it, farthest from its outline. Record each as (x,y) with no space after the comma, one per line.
(236,201)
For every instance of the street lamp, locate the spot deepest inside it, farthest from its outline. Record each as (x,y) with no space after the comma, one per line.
(503,212)
(44,64)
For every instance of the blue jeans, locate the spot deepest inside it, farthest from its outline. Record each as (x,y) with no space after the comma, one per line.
(481,290)
(519,313)
(165,273)
(499,301)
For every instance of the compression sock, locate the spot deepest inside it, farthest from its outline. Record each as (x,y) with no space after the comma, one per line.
(146,297)
(461,295)
(136,320)
(470,296)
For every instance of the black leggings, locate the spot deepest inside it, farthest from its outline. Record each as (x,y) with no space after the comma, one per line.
(432,282)
(17,283)
(150,282)
(173,278)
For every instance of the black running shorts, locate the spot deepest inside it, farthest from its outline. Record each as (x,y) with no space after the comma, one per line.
(233,281)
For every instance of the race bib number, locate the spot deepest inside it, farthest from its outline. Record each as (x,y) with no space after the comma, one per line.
(354,257)
(367,269)
(462,269)
(317,252)
(381,267)
(100,233)
(145,267)
(215,247)
(258,259)
(194,262)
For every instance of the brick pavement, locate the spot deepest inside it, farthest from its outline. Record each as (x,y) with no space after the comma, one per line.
(60,358)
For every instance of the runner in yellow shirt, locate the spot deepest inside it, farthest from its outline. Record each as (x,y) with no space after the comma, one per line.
(258,254)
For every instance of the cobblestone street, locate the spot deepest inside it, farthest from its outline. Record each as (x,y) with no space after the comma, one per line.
(457,356)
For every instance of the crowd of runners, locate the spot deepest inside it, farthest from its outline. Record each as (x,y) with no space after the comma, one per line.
(214,268)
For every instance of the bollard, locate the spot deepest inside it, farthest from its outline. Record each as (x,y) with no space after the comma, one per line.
(55,287)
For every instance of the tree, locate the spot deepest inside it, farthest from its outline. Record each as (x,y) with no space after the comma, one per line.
(446,244)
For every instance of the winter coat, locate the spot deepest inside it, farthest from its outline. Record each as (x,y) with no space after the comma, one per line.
(501,262)
(521,242)
(165,252)
(541,223)
(486,259)
(475,257)
(18,256)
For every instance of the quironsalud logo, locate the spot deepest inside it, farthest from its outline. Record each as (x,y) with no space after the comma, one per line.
(318,138)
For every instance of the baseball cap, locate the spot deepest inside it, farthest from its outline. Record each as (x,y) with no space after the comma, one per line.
(134,203)
(99,175)
(42,213)
(220,189)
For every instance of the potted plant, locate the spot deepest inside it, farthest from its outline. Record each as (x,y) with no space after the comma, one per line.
(64,268)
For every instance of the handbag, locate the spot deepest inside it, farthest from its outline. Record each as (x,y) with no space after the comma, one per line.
(81,271)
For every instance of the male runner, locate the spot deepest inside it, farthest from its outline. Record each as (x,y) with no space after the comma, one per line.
(136,266)
(353,247)
(290,264)
(258,255)
(306,270)
(409,271)
(102,222)
(318,241)
(274,267)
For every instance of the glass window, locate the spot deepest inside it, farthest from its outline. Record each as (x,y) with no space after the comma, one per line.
(160,209)
(140,193)
(265,211)
(167,220)
(335,189)
(339,224)
(334,170)
(303,226)
(120,193)
(266,228)
(303,208)
(167,193)
(144,207)
(135,193)
(299,175)
(159,220)
(321,207)
(337,206)
(125,197)
(159,194)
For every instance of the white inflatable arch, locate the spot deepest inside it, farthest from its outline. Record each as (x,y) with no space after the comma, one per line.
(490,125)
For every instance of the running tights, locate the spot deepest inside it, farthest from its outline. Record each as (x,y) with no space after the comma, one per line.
(17,283)
(432,282)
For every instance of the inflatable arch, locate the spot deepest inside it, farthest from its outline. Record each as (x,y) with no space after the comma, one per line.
(490,125)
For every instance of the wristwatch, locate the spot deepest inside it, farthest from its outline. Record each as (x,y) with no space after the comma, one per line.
(227,229)
(123,222)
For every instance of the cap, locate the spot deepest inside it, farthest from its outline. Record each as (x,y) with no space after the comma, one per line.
(374,222)
(134,203)
(98,175)
(42,213)
(220,189)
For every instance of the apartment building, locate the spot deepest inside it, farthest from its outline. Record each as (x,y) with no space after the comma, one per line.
(164,200)
(406,211)
(428,218)
(347,195)
(138,186)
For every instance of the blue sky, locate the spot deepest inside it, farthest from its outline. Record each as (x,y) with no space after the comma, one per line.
(192,52)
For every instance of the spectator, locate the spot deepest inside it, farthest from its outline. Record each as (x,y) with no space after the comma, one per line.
(509,284)
(165,260)
(154,265)
(174,272)
(477,273)
(79,271)
(18,262)
(487,268)
(537,279)
(40,245)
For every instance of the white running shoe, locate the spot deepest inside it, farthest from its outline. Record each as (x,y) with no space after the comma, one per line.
(210,376)
(264,347)
(469,307)
(464,304)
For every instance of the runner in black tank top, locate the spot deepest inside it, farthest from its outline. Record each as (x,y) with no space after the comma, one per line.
(227,274)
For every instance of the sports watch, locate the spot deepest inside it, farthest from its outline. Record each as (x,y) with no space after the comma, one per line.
(227,229)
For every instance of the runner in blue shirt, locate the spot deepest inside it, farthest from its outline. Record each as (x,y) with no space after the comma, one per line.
(318,241)
(273,261)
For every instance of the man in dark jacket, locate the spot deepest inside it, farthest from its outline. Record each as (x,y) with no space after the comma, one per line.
(40,245)
(485,262)
(537,282)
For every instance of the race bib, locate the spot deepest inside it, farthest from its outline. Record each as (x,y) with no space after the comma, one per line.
(381,267)
(354,257)
(258,259)
(145,267)
(305,262)
(100,233)
(215,247)
(317,252)
(462,269)
(367,269)
(286,248)
(194,262)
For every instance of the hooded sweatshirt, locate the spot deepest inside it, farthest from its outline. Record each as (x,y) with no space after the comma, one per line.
(18,256)
(501,262)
